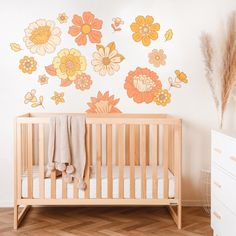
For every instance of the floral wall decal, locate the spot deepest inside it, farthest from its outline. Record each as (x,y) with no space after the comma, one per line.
(117,22)
(144,29)
(28,65)
(58,97)
(83,82)
(103,103)
(67,66)
(162,97)
(42,36)
(106,59)
(15,47)
(141,84)
(169,34)
(43,79)
(85,27)
(157,57)
(181,77)
(62,17)
(30,97)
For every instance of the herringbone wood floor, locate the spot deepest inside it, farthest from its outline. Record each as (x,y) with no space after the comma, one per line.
(106,221)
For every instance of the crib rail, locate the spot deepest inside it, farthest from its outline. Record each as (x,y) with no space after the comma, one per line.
(122,141)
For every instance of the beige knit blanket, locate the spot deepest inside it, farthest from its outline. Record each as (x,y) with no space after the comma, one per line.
(66,147)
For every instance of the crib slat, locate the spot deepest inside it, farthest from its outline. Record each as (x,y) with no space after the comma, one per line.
(75,189)
(109,160)
(127,144)
(165,161)
(137,144)
(64,186)
(41,161)
(30,161)
(98,159)
(120,154)
(147,144)
(19,157)
(53,184)
(154,162)
(143,161)
(88,158)
(132,161)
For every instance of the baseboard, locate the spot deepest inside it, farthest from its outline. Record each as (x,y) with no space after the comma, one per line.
(6,204)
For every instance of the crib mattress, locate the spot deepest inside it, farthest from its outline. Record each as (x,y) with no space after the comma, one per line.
(115,173)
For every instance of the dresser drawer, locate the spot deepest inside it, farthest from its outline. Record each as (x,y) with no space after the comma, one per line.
(224,152)
(222,220)
(222,185)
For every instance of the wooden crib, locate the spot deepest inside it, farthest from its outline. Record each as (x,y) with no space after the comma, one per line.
(136,157)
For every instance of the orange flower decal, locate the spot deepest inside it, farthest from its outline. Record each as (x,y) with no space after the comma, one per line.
(86,26)
(141,85)
(103,103)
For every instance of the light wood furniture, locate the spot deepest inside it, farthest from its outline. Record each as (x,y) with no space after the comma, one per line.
(223,185)
(141,140)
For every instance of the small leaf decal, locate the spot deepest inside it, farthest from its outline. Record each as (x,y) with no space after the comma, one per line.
(41,99)
(121,57)
(35,104)
(15,47)
(51,70)
(65,82)
(168,34)
(112,46)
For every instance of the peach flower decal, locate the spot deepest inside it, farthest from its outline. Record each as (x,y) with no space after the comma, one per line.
(85,27)
(144,29)
(106,60)
(83,82)
(157,57)
(28,65)
(162,97)
(42,37)
(103,103)
(43,79)
(58,98)
(141,85)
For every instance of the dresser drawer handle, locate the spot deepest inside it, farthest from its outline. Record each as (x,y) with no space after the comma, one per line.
(232,158)
(217,150)
(217,215)
(217,184)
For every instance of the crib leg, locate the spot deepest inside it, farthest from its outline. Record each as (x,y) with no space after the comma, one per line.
(176,215)
(19,217)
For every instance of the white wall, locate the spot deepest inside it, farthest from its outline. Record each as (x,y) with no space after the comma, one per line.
(193,102)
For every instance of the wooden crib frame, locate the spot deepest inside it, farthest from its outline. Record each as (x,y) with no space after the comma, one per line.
(133,150)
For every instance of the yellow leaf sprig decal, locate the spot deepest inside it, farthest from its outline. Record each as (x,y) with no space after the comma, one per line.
(169,34)
(180,78)
(30,97)
(15,47)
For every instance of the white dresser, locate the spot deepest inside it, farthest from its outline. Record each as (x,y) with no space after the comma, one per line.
(223,184)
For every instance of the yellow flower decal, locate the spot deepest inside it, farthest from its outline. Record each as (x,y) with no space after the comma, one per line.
(144,29)
(62,18)
(69,63)
(58,97)
(28,65)
(181,76)
(162,97)
(30,97)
